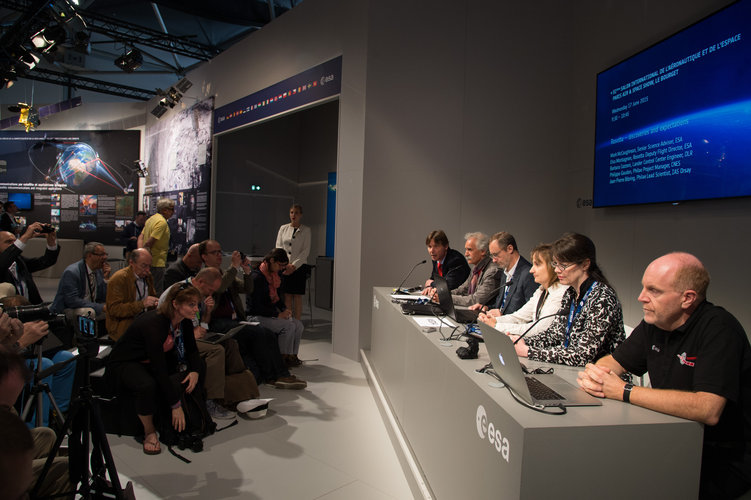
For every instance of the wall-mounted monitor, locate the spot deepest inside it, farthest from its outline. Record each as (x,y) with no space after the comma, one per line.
(673,122)
(24,201)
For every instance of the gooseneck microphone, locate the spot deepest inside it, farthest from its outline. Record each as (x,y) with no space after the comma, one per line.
(399,288)
(537,321)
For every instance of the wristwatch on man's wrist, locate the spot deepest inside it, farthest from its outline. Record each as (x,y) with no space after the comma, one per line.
(627,392)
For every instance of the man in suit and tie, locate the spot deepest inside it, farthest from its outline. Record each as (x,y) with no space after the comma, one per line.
(517,284)
(447,262)
(16,269)
(83,285)
(482,284)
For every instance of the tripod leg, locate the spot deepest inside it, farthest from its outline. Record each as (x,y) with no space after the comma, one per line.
(53,453)
(102,448)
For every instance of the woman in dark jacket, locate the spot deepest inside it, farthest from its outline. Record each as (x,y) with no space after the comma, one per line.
(266,305)
(156,346)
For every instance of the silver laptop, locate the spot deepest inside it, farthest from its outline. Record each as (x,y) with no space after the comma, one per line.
(506,364)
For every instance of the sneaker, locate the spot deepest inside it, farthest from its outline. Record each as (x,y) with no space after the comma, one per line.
(217,411)
(290,382)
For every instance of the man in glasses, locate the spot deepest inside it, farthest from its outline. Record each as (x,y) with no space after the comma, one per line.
(130,292)
(517,284)
(82,290)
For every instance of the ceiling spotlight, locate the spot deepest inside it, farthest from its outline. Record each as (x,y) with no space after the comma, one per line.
(130,61)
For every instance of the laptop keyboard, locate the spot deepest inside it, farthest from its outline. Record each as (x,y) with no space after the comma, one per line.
(540,391)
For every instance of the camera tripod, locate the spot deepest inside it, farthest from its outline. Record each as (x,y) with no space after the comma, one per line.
(86,429)
(39,389)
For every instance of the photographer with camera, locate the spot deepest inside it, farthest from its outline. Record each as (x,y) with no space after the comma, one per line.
(16,269)
(20,329)
(158,346)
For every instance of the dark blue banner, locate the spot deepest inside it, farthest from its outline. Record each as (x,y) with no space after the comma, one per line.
(315,84)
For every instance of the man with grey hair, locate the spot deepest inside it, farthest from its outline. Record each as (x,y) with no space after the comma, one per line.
(699,363)
(155,237)
(130,292)
(481,287)
(82,290)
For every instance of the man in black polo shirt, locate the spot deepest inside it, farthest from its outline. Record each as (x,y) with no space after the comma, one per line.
(699,363)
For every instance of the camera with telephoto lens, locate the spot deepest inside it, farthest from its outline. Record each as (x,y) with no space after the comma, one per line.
(35,313)
(47,228)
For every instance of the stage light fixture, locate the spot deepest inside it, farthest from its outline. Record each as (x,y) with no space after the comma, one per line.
(130,61)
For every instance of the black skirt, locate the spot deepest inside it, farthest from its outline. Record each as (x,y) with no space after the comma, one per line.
(295,282)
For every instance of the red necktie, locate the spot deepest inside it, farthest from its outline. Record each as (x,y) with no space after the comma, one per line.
(438,268)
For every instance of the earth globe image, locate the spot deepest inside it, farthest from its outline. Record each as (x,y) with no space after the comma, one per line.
(80,168)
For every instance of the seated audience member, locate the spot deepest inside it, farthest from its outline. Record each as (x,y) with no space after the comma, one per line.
(16,269)
(20,337)
(8,221)
(130,292)
(20,473)
(83,286)
(16,456)
(228,382)
(592,324)
(516,284)
(259,346)
(447,262)
(266,305)
(544,302)
(159,345)
(699,363)
(184,268)
(131,232)
(481,287)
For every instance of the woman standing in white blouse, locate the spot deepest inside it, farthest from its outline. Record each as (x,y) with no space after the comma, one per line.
(545,301)
(294,238)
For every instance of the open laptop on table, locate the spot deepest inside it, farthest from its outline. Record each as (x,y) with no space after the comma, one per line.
(445,305)
(538,389)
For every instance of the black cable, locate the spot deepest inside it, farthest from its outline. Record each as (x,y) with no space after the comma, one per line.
(537,408)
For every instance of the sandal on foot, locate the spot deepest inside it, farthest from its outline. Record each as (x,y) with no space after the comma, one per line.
(152,441)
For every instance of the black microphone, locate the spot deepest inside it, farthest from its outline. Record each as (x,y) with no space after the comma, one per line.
(399,288)
(537,321)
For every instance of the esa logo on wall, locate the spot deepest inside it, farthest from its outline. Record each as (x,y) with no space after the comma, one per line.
(487,430)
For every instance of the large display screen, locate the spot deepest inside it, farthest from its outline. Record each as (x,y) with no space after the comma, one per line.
(83,182)
(674,121)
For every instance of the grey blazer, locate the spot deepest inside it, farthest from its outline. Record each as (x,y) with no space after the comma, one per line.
(487,286)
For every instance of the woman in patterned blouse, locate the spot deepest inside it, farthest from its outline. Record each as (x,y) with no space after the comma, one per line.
(590,321)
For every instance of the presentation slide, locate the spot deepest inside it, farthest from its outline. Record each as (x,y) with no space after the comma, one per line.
(674,121)
(81,182)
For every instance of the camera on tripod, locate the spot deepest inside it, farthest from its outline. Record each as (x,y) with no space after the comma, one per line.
(35,313)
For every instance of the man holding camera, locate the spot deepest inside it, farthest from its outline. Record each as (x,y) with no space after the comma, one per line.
(16,269)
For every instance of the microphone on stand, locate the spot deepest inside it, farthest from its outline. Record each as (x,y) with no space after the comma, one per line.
(398,289)
(537,321)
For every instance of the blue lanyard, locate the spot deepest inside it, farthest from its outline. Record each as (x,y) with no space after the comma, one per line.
(573,313)
(177,335)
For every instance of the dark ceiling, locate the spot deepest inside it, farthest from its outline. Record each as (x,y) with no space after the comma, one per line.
(167,37)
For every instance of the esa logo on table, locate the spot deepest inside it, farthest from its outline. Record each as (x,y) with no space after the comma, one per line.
(487,430)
